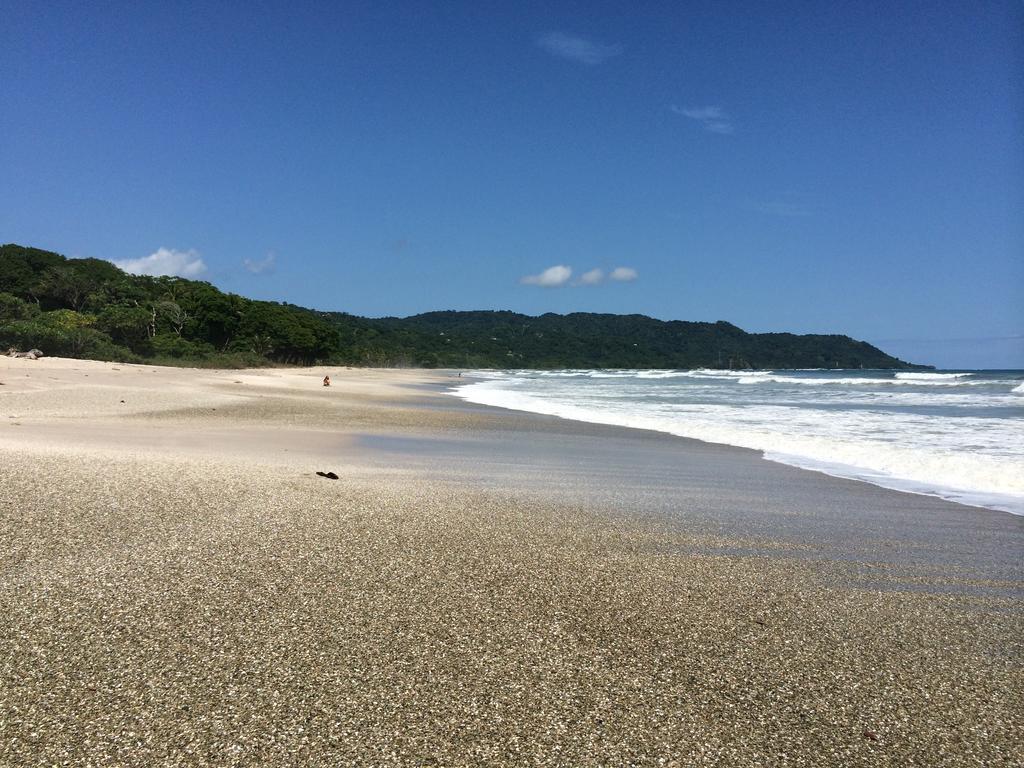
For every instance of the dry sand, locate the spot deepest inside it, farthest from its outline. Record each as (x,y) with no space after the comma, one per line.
(179,588)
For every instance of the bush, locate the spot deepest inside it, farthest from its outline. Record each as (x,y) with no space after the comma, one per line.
(13,308)
(128,326)
(69,320)
(173,346)
(57,341)
(218,360)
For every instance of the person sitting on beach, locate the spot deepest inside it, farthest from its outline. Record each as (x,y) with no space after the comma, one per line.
(327,381)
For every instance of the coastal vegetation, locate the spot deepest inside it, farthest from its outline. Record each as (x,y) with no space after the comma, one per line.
(89,308)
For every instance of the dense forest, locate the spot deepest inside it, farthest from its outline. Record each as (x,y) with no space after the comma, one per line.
(89,308)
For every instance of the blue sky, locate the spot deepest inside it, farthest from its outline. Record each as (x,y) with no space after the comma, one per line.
(813,167)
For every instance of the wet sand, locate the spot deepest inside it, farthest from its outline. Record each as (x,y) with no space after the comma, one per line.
(479,587)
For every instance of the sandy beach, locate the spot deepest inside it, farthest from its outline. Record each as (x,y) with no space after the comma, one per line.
(479,587)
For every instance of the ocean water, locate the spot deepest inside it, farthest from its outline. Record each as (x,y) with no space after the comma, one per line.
(954,434)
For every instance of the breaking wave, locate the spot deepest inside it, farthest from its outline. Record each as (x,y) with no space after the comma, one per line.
(959,436)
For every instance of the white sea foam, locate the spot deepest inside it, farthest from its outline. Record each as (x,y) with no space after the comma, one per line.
(967,447)
(859,381)
(930,376)
(900,378)
(763,379)
(663,374)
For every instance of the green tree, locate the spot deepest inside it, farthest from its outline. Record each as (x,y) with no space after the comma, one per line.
(66,286)
(172,313)
(13,308)
(129,326)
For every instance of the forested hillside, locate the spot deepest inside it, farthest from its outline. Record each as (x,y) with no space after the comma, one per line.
(586,340)
(90,308)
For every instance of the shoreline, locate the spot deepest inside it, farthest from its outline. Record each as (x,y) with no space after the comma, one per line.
(375,420)
(478,587)
(411,418)
(1007,502)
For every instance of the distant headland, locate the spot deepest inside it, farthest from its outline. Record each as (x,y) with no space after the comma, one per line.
(88,308)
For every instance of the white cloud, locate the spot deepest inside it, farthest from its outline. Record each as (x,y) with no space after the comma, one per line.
(713,119)
(700,113)
(623,274)
(166,261)
(260,266)
(578,49)
(552,277)
(593,277)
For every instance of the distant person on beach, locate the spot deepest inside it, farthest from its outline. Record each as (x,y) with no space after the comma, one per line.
(327,381)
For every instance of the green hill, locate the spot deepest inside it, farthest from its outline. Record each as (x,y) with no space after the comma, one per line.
(90,308)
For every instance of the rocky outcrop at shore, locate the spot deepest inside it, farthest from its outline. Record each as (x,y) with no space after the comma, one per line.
(32,354)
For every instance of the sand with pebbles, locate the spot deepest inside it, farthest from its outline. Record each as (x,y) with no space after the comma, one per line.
(179,588)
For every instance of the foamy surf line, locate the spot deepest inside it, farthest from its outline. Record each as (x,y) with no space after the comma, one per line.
(989,485)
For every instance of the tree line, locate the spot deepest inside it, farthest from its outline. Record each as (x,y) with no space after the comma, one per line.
(89,308)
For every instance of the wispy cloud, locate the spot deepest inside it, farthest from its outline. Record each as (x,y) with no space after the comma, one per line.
(261,266)
(592,277)
(713,119)
(623,274)
(552,277)
(578,49)
(166,261)
(782,208)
